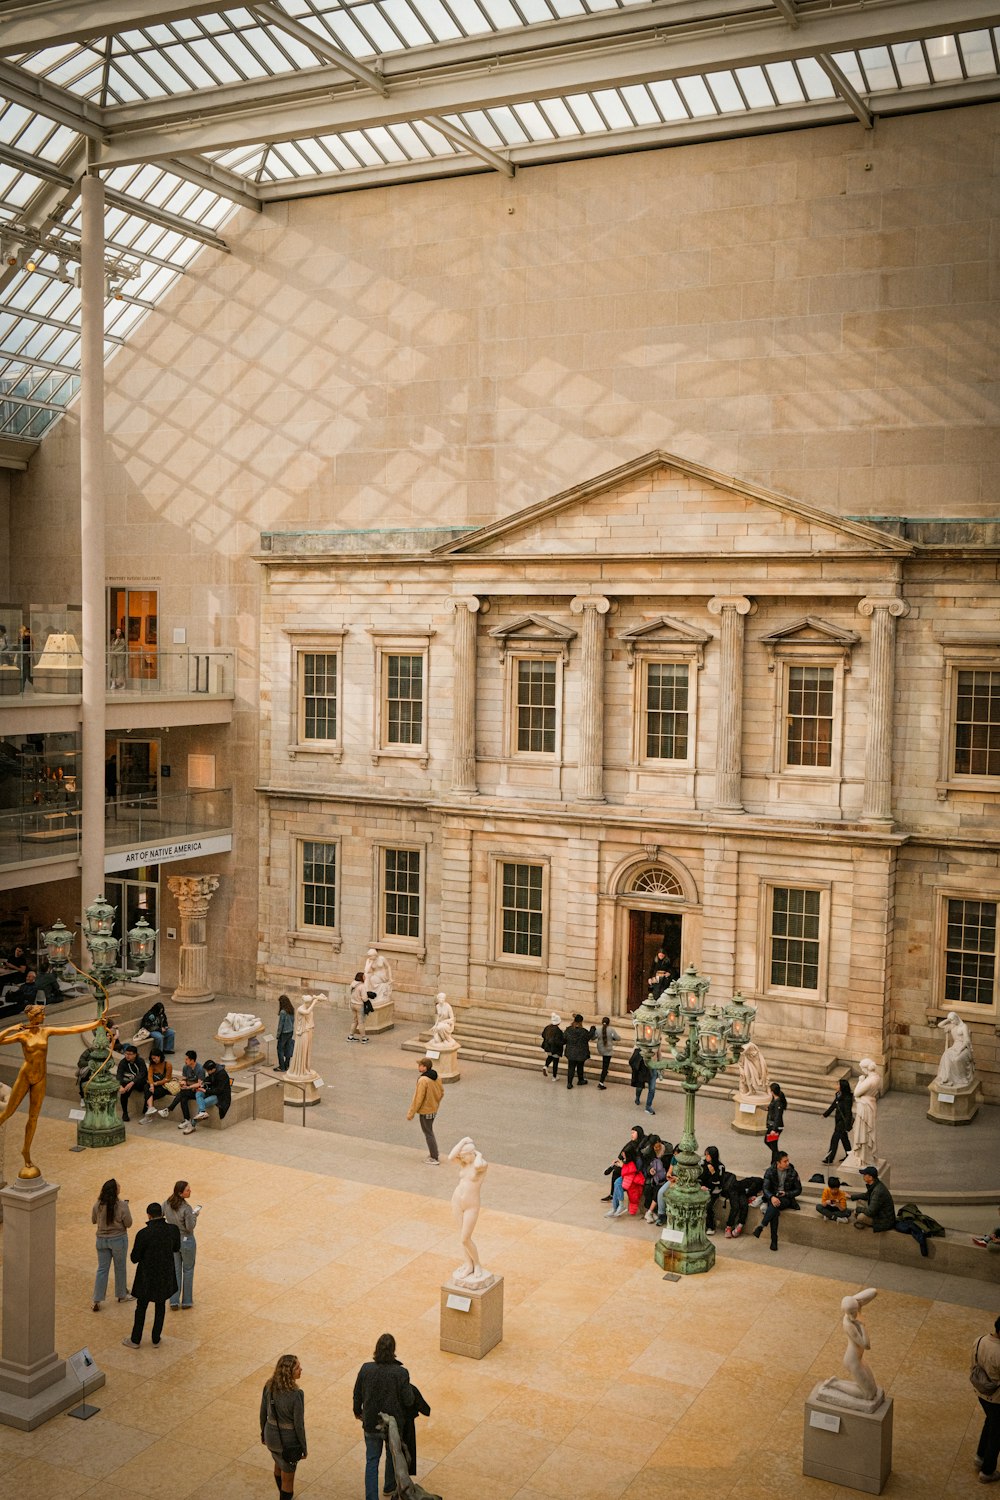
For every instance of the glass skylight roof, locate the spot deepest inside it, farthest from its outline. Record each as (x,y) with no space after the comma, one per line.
(358,57)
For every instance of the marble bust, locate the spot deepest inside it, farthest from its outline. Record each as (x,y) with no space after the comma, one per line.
(466,1202)
(443,1031)
(858,1389)
(378,976)
(957,1069)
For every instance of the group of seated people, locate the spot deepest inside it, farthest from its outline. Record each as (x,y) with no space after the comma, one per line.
(23,983)
(199,1088)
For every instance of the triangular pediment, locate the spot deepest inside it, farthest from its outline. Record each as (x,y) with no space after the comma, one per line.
(532,630)
(661,505)
(811,630)
(665,634)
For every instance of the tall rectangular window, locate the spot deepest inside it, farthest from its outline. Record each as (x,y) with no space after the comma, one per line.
(318,688)
(809,716)
(977,723)
(318,885)
(970,956)
(535,705)
(401,893)
(403,686)
(521,919)
(666,710)
(795,938)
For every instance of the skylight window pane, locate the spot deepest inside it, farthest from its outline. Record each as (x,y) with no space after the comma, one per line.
(534,122)
(501,13)
(436,18)
(409,141)
(754,85)
(535,10)
(784,82)
(350,38)
(407,22)
(562,121)
(815,81)
(696,96)
(877,69)
(848,64)
(476,123)
(943,54)
(438,144)
(977,54)
(188,62)
(586,112)
(21,191)
(508,126)
(338,151)
(362,148)
(122,90)
(216,62)
(567,7)
(609,102)
(281,53)
(640,105)
(668,100)
(723,86)
(243,59)
(376,26)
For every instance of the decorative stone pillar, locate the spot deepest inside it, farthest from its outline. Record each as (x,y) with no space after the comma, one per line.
(590,776)
(463,763)
(193,893)
(732,610)
(884,613)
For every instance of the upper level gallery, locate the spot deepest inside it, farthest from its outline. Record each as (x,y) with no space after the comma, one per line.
(664,639)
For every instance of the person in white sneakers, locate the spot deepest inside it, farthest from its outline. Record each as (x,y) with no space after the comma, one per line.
(425,1104)
(192,1079)
(358,997)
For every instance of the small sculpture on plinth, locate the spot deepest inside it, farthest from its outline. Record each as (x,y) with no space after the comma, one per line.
(858,1390)
(33,1038)
(378,976)
(754,1081)
(466,1202)
(443,1030)
(957,1069)
(866,1097)
(305,1025)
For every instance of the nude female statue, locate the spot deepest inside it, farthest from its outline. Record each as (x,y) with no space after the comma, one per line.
(465,1206)
(305,1025)
(860,1384)
(33,1038)
(958,1062)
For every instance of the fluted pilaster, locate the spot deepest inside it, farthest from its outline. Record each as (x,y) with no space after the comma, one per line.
(590,776)
(463,765)
(884,613)
(732,610)
(193,894)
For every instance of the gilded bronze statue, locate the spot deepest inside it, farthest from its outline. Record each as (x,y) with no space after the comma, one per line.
(34,1040)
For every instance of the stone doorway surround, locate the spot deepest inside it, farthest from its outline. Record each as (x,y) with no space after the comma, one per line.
(647,882)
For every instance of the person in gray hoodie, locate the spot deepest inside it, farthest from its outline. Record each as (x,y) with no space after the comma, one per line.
(605,1042)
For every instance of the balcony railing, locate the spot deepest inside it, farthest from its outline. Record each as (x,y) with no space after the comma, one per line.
(129,822)
(145,674)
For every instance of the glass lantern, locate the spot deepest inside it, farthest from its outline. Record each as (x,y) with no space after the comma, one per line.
(100,919)
(712,1031)
(672,1017)
(691,990)
(58,943)
(141,944)
(646,1020)
(740,1018)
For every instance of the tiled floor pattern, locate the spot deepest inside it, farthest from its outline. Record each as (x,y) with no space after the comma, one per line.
(610,1384)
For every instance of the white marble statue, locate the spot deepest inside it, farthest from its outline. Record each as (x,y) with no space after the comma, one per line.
(443,1030)
(754,1081)
(466,1202)
(305,1025)
(958,1063)
(238,1023)
(859,1388)
(866,1095)
(378,976)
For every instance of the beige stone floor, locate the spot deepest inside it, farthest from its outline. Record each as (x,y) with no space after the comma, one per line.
(610,1384)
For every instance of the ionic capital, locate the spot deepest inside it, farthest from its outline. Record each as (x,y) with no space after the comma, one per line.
(590,601)
(470,602)
(738,602)
(897,608)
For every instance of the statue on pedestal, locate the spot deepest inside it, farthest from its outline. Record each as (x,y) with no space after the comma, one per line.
(465,1205)
(33,1038)
(305,1025)
(443,1031)
(958,1063)
(754,1082)
(859,1389)
(237,1024)
(378,976)
(866,1096)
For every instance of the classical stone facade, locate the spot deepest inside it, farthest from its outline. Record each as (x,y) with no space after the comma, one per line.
(665,706)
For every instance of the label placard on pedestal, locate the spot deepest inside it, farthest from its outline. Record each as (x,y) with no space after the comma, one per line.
(748,1109)
(672,1236)
(459,1304)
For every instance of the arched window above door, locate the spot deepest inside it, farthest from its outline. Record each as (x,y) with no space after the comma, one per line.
(655,881)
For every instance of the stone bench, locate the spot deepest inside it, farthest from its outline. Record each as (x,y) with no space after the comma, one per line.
(270,1102)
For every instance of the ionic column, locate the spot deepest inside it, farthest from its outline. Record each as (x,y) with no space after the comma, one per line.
(884,613)
(732,610)
(193,893)
(590,776)
(463,763)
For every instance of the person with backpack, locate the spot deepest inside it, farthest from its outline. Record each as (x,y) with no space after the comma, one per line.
(985,1378)
(553,1041)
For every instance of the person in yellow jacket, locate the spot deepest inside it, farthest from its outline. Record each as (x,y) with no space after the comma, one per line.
(425,1104)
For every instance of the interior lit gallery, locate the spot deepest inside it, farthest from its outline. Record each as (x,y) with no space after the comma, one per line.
(499,594)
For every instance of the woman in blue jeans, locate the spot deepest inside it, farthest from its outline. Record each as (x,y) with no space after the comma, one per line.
(177,1210)
(383,1385)
(113,1218)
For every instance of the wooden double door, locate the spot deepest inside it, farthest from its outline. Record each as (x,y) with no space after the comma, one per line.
(648,931)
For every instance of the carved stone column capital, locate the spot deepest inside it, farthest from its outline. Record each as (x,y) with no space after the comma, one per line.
(897,608)
(590,601)
(193,893)
(471,602)
(739,602)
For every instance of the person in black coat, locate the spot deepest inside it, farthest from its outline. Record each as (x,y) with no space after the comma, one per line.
(155,1279)
(842,1110)
(775,1119)
(577,1041)
(133,1080)
(383,1385)
(217,1089)
(782,1186)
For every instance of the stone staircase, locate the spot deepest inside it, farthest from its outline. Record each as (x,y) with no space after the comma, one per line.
(512,1039)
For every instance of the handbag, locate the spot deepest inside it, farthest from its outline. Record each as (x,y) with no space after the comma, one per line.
(982,1382)
(772,1136)
(291,1452)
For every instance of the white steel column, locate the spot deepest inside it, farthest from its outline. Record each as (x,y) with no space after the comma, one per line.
(884,613)
(590,777)
(463,763)
(732,610)
(92,544)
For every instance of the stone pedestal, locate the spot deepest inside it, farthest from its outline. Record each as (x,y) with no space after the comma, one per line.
(750,1114)
(251,1053)
(35,1384)
(445,1060)
(849,1448)
(383,1016)
(473,1325)
(850,1167)
(955,1106)
(302,1088)
(193,893)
